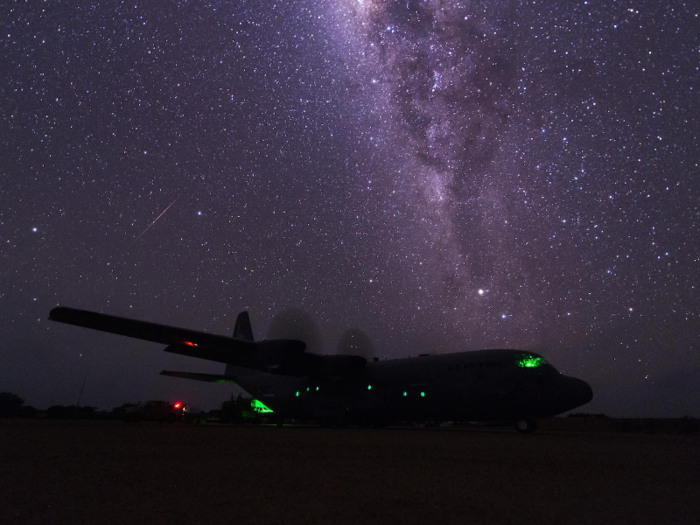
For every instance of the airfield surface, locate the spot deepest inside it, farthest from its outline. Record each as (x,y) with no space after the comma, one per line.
(110,472)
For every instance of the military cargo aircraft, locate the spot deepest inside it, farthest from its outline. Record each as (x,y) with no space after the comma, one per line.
(482,385)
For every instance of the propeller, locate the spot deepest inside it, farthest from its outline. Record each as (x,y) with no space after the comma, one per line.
(355,341)
(296,324)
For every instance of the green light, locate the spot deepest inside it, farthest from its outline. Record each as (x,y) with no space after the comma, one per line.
(297,393)
(307,389)
(422,394)
(529,361)
(369,387)
(317,388)
(405,394)
(259,407)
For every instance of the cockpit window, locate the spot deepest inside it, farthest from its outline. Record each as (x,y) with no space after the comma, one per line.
(529,361)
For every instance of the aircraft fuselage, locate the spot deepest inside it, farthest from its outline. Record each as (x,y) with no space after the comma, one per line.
(465,386)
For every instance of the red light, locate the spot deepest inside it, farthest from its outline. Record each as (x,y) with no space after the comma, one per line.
(190,343)
(177,405)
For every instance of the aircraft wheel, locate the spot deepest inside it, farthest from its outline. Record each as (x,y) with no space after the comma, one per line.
(525,426)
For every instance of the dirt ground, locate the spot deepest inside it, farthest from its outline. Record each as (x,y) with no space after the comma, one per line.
(110,472)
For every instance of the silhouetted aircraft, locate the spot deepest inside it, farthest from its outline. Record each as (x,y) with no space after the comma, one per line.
(480,385)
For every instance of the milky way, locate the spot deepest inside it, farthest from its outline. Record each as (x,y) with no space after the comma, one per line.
(443,175)
(450,77)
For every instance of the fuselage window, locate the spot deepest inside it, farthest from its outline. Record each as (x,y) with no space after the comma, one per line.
(529,361)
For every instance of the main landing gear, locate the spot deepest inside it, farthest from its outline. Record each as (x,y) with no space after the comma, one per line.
(525,425)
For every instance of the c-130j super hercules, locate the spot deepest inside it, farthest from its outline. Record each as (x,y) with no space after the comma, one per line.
(481,385)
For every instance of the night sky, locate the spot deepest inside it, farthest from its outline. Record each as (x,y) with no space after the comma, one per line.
(443,175)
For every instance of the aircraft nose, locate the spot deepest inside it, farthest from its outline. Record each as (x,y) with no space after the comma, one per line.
(586,392)
(575,392)
(580,391)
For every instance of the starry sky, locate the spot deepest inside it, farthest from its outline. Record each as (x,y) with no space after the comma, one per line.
(442,175)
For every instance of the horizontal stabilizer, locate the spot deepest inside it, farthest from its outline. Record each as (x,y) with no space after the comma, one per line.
(210,378)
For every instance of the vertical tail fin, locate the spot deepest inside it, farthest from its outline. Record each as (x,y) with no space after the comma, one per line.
(243,330)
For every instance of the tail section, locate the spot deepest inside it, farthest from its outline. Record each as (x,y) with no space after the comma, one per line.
(243,331)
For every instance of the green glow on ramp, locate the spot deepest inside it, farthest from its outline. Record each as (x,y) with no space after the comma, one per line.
(422,394)
(369,387)
(259,407)
(405,394)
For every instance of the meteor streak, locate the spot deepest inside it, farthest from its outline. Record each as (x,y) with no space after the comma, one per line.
(156,219)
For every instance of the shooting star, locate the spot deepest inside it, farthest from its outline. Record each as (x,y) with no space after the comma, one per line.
(156,219)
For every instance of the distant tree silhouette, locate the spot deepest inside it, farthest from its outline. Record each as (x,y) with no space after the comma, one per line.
(57,412)
(9,404)
(71,412)
(26,412)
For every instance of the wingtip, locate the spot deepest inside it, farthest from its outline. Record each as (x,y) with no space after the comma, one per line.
(57,313)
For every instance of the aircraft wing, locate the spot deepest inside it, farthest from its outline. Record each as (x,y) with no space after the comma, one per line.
(279,356)
(181,340)
(261,355)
